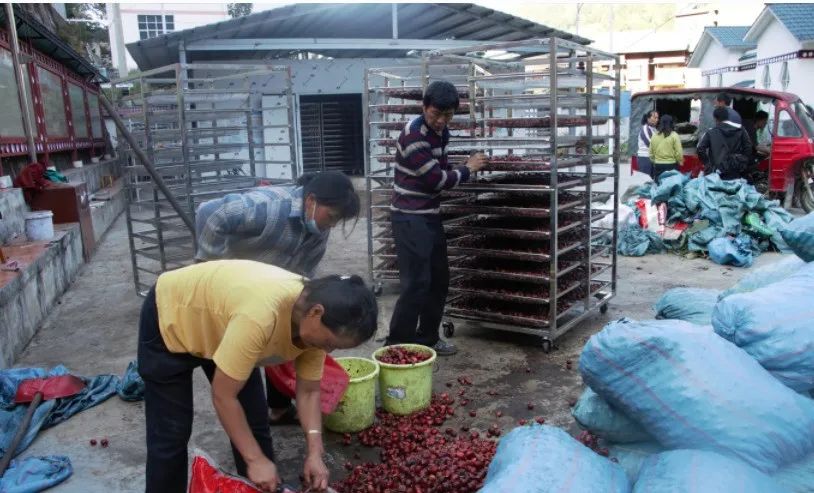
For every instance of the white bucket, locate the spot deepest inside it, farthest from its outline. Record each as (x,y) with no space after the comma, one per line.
(39,226)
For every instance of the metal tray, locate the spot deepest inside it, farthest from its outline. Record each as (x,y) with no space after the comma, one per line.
(502,183)
(517,297)
(491,205)
(461,225)
(535,277)
(563,121)
(458,246)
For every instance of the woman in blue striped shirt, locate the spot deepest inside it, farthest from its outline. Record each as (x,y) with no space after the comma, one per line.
(286,226)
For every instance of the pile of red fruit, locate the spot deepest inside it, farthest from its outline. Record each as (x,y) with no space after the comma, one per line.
(592,442)
(397,355)
(418,456)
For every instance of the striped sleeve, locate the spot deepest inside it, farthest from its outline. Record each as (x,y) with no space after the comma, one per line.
(234,216)
(423,173)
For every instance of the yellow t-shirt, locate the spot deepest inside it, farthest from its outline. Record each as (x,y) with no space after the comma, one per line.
(236,313)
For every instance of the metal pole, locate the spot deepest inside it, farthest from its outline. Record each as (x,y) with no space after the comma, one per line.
(146,162)
(553,268)
(22,83)
(395,20)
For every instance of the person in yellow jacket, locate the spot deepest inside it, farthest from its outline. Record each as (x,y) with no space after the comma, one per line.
(230,317)
(665,148)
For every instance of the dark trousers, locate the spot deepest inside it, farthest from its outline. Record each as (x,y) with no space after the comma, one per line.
(168,406)
(421,250)
(275,398)
(659,168)
(645,165)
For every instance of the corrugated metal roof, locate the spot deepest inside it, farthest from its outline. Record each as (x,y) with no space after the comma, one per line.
(459,21)
(797,17)
(48,43)
(730,36)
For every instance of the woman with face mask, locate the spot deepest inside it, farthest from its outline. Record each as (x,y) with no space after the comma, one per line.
(286,226)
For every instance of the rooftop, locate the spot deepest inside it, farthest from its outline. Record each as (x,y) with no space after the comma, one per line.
(797,17)
(730,36)
(339,30)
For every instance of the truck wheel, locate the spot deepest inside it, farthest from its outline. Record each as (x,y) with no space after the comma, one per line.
(804,188)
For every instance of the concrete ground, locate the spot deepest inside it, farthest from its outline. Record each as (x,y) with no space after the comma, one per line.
(93,330)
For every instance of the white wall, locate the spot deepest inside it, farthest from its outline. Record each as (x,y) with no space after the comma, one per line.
(777,40)
(717,56)
(186,16)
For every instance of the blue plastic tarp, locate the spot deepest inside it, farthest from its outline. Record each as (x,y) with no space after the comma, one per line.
(724,203)
(692,305)
(543,459)
(131,388)
(631,456)
(636,242)
(594,414)
(774,325)
(49,413)
(763,276)
(735,251)
(696,471)
(797,477)
(34,474)
(799,235)
(690,388)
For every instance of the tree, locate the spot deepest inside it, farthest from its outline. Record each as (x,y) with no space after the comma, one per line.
(86,31)
(238,9)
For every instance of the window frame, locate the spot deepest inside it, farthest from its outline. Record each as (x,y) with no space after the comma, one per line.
(154,25)
(781,121)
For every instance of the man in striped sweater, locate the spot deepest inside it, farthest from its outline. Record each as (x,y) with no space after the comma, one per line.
(422,172)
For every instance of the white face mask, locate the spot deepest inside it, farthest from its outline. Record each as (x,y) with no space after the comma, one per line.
(311,224)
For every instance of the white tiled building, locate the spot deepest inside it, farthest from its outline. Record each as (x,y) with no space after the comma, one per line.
(147,20)
(775,52)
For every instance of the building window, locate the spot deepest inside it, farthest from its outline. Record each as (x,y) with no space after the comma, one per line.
(784,75)
(150,26)
(767,77)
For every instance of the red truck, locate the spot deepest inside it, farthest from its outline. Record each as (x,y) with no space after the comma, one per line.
(787,173)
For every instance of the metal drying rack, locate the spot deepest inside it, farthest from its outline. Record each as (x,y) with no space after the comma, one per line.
(530,250)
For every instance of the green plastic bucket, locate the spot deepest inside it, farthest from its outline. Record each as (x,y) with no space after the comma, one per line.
(406,389)
(357,408)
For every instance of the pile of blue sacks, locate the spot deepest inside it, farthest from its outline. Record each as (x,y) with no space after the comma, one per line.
(717,392)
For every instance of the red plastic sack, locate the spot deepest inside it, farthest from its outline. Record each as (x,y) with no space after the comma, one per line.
(207,478)
(332,387)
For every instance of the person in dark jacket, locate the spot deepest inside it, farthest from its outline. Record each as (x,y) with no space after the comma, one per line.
(725,149)
(723,100)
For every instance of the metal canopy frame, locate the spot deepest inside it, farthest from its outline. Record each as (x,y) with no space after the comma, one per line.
(508,114)
(319,44)
(201,126)
(373,24)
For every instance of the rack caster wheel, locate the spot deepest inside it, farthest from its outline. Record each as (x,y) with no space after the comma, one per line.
(449,329)
(547,345)
(603,309)
(377,289)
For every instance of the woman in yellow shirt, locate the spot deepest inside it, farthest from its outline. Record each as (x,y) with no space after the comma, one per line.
(666,152)
(230,317)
